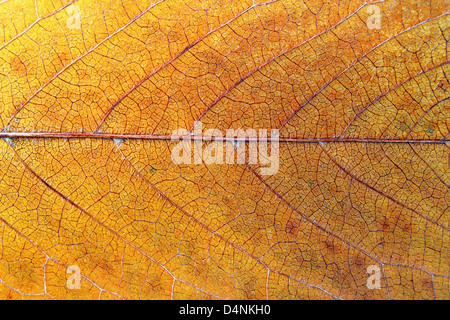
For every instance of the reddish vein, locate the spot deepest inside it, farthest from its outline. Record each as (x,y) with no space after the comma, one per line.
(91,135)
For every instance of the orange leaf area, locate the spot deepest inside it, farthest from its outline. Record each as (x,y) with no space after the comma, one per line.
(91,92)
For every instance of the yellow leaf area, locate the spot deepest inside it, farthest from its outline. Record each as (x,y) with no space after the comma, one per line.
(364,170)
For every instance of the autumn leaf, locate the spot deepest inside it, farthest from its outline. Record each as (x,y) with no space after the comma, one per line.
(92,91)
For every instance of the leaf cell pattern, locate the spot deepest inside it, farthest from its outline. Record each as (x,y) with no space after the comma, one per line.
(87,179)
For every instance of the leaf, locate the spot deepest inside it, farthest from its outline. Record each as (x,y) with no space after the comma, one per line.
(91,92)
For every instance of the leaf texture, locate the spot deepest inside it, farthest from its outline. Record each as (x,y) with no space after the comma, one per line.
(87,178)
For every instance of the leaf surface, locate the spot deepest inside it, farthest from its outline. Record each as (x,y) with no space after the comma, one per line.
(87,177)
